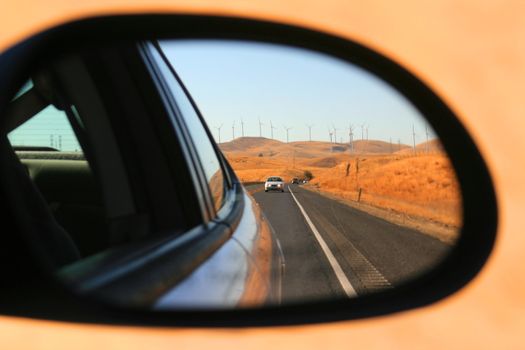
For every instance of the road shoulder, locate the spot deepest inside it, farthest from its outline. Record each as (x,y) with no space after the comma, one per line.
(445,234)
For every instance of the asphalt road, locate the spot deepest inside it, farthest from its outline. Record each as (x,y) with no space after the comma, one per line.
(370,253)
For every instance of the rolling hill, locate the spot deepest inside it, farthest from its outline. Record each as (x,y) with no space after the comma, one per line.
(264,147)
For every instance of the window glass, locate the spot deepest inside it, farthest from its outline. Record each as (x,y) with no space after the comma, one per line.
(203,144)
(49,128)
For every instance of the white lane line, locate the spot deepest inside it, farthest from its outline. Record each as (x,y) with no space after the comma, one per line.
(341,277)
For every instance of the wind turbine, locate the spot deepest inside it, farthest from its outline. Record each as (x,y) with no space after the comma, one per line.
(330,133)
(427,146)
(309,131)
(219,131)
(287,129)
(233,130)
(414,138)
(242,127)
(366,137)
(335,133)
(260,127)
(351,137)
(272,128)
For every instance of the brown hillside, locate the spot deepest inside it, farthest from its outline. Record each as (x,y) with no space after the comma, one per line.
(246,144)
(377,147)
(327,162)
(257,146)
(434,146)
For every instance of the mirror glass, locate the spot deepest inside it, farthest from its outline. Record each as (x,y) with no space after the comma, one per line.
(369,198)
(346,188)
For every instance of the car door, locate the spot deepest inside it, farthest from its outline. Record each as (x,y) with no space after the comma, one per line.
(180,226)
(258,275)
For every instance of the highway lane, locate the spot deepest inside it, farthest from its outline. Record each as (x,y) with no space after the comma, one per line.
(373,253)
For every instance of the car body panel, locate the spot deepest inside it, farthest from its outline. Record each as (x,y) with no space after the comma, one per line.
(470,53)
(241,273)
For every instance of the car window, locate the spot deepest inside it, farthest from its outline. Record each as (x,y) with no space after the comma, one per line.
(50,151)
(203,145)
(48,129)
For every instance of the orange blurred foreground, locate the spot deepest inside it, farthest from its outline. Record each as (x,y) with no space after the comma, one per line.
(471,53)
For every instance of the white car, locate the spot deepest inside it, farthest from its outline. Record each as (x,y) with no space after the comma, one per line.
(274,183)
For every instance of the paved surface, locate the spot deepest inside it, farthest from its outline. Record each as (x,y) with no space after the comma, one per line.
(372,253)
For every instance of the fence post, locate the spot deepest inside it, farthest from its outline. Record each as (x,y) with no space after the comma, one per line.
(359,194)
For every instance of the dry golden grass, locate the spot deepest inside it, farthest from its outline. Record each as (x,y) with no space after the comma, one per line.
(423,185)
(419,185)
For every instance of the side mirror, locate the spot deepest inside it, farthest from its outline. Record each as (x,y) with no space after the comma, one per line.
(232,172)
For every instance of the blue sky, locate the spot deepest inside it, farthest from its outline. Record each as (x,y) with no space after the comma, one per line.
(49,128)
(234,80)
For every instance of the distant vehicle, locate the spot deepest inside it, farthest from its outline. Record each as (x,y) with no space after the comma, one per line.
(305,181)
(274,183)
(295,180)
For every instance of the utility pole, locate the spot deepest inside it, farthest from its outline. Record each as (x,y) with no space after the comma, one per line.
(414,138)
(219,131)
(272,128)
(287,129)
(260,127)
(242,127)
(309,131)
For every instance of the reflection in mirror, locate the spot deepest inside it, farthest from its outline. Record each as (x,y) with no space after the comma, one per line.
(346,191)
(366,197)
